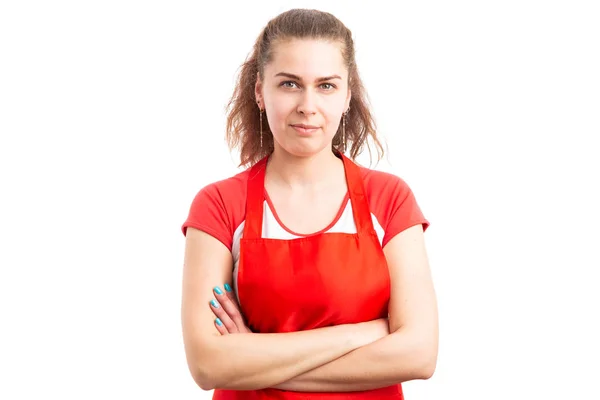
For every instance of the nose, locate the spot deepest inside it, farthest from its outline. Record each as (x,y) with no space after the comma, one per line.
(307,103)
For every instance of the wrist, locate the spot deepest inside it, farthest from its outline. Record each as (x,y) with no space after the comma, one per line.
(359,334)
(371,331)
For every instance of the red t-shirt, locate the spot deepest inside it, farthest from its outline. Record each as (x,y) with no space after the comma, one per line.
(219,209)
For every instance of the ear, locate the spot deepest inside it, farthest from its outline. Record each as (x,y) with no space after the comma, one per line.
(348,98)
(258,92)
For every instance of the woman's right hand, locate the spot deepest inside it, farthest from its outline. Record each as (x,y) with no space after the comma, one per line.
(226,309)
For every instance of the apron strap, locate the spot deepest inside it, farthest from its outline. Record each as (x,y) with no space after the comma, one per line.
(255,199)
(358,198)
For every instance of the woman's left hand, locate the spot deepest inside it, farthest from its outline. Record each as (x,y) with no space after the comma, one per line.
(226,309)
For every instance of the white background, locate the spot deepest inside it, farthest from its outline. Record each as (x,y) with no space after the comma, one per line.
(112,118)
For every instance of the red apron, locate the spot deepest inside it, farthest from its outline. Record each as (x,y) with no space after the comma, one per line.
(311,282)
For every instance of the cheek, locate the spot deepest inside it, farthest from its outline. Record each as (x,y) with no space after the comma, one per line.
(277,120)
(333,120)
(280,110)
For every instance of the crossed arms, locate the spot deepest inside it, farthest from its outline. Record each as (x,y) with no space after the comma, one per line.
(349,357)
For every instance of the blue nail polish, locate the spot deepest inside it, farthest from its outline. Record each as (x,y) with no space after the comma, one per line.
(218,321)
(227,287)
(214,303)
(218,290)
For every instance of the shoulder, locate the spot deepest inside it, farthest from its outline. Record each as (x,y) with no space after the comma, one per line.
(392,202)
(384,189)
(219,207)
(382,183)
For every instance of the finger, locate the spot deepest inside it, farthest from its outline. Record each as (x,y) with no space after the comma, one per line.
(221,314)
(230,305)
(231,294)
(220,327)
(241,324)
(230,308)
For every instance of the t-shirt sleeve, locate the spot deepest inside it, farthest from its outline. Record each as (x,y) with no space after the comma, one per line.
(209,214)
(403,211)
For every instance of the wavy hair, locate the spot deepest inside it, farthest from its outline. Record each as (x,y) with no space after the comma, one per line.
(243,123)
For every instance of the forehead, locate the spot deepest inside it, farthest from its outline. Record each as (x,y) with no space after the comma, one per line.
(307,58)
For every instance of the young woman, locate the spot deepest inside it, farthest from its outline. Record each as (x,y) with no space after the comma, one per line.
(306,275)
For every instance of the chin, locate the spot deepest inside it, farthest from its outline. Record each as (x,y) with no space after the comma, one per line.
(305,149)
(290,142)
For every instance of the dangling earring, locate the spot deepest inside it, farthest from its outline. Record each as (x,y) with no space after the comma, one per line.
(344,133)
(344,130)
(260,112)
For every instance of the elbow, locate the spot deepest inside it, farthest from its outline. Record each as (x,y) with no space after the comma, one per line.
(429,362)
(419,363)
(426,346)
(205,370)
(204,377)
(206,385)
(211,375)
(427,370)
(422,353)
(419,354)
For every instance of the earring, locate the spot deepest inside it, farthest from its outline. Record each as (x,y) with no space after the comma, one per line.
(260,113)
(344,130)
(344,133)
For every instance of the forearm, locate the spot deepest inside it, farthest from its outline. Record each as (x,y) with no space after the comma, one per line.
(396,358)
(254,361)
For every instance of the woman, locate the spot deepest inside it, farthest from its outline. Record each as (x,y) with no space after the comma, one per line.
(325,259)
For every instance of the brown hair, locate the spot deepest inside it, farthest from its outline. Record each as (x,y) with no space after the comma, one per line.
(243,124)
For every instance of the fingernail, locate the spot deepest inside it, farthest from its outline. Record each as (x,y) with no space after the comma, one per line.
(218,290)
(218,321)
(227,287)
(214,303)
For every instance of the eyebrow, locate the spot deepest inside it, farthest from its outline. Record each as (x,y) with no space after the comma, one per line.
(296,77)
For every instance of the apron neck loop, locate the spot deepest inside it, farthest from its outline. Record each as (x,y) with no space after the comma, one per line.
(255,199)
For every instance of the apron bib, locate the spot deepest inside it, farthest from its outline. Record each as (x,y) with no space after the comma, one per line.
(311,282)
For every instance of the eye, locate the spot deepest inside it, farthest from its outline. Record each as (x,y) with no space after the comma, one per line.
(331,86)
(285,83)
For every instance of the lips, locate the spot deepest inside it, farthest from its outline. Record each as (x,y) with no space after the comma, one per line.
(304,126)
(303,129)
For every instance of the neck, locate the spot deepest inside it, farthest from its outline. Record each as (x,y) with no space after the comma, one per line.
(316,170)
